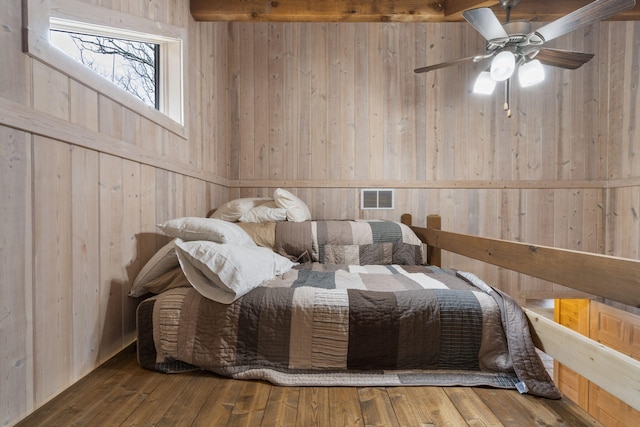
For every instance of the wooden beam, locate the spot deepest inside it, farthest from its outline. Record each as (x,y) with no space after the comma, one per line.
(550,10)
(317,11)
(380,10)
(453,8)
(26,119)
(441,184)
(611,370)
(610,277)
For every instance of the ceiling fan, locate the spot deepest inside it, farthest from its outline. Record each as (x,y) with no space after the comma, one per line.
(514,46)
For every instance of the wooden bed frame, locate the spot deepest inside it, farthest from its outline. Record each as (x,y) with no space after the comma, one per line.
(613,278)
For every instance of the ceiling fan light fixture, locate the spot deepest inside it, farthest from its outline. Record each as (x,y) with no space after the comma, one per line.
(530,73)
(484,84)
(503,65)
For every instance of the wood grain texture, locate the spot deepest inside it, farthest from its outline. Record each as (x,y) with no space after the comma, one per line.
(547,139)
(623,222)
(359,11)
(607,325)
(16,271)
(85,180)
(112,273)
(323,110)
(560,160)
(53,266)
(86,261)
(584,355)
(122,394)
(23,118)
(51,91)
(578,270)
(304,10)
(574,314)
(281,408)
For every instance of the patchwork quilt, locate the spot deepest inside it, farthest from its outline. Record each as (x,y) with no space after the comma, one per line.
(349,325)
(364,242)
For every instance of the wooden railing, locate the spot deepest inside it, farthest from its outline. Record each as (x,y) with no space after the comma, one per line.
(613,278)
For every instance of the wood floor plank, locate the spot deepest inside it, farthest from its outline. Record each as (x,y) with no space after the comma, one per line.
(407,409)
(313,407)
(474,411)
(126,397)
(435,401)
(571,414)
(344,404)
(51,412)
(121,393)
(188,404)
(220,403)
(95,399)
(514,409)
(157,402)
(376,407)
(282,407)
(250,406)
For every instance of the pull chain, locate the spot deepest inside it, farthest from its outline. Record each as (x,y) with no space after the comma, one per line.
(507,84)
(507,96)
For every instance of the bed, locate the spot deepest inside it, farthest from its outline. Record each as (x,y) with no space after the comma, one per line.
(330,303)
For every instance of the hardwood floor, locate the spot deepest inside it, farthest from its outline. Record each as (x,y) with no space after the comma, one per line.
(120,393)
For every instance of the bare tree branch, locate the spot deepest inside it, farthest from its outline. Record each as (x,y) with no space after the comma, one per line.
(136,74)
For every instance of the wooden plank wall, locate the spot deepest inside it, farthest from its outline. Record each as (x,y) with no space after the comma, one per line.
(346,96)
(623,213)
(346,111)
(77,223)
(323,109)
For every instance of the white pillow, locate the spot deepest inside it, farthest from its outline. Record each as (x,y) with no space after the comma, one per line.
(162,261)
(215,230)
(223,272)
(263,213)
(234,209)
(297,210)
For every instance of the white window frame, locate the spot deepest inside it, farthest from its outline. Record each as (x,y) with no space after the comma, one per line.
(76,16)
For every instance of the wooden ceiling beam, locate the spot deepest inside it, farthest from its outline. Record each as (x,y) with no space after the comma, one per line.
(318,10)
(550,10)
(453,8)
(380,10)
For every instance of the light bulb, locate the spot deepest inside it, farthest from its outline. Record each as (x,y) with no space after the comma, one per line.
(530,73)
(503,65)
(484,84)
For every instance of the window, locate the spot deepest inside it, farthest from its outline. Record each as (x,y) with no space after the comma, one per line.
(130,64)
(49,22)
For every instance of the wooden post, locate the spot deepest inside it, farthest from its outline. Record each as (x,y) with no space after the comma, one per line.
(434,255)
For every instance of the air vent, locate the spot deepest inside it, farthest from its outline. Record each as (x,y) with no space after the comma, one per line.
(374,198)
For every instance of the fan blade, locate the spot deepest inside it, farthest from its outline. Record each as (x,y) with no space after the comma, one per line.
(595,11)
(444,64)
(563,58)
(485,22)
